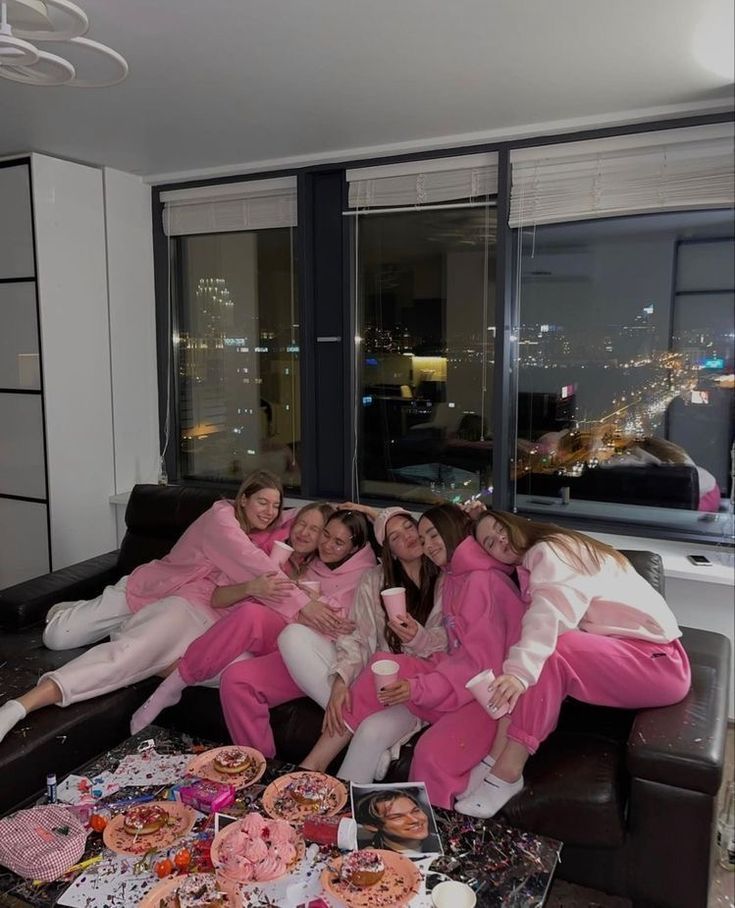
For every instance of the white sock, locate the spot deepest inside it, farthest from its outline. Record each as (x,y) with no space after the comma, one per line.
(477,774)
(166,694)
(10,715)
(489,797)
(59,607)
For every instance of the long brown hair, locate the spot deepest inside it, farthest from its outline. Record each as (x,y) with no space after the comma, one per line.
(452,524)
(255,482)
(357,524)
(419,599)
(580,552)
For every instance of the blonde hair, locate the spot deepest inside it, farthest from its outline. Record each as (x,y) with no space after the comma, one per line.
(581,552)
(255,482)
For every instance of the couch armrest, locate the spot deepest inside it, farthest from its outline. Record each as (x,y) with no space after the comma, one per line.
(684,745)
(27,603)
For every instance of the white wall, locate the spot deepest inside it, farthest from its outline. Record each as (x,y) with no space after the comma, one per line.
(132,329)
(75,344)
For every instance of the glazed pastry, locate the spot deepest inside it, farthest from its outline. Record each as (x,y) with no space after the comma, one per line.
(362,868)
(234,761)
(201,890)
(308,790)
(144,819)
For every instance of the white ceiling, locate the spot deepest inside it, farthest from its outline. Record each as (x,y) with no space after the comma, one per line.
(223,86)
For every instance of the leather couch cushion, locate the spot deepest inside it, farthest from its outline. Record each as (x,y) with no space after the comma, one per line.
(575,791)
(668,485)
(156,516)
(54,740)
(25,604)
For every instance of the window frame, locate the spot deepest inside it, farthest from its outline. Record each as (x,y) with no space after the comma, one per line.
(325,279)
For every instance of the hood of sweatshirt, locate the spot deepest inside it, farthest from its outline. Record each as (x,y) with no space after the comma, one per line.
(339,585)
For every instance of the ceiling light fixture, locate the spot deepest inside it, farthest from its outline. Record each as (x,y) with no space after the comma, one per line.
(25,22)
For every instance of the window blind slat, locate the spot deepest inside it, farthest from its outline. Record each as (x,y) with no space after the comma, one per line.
(255,205)
(686,169)
(424,182)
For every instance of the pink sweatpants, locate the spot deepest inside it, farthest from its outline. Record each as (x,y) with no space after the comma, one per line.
(247,691)
(365,697)
(253,628)
(606,671)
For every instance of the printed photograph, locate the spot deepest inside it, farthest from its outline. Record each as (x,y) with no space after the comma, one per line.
(398,817)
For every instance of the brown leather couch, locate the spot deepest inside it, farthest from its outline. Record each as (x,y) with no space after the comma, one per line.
(631,794)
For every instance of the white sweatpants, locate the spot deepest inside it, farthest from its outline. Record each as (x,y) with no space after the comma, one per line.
(88,620)
(308,657)
(378,733)
(148,642)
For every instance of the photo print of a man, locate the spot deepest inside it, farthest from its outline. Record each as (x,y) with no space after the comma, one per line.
(396,817)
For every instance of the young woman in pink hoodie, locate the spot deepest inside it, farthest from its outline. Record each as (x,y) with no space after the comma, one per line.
(250,686)
(481,614)
(155,612)
(593,629)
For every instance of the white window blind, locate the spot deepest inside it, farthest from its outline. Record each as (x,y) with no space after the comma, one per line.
(254,205)
(679,169)
(418,183)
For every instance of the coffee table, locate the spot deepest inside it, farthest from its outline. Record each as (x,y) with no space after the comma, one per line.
(505,866)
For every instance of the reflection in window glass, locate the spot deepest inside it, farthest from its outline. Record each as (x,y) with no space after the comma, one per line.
(426,291)
(238,350)
(625,370)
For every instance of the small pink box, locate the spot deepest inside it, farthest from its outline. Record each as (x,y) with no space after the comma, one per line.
(209,797)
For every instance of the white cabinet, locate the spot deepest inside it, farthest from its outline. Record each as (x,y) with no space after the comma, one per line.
(56,451)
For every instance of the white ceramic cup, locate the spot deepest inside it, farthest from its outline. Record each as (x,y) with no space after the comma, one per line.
(281,552)
(479,687)
(452,894)
(385,672)
(311,586)
(394,600)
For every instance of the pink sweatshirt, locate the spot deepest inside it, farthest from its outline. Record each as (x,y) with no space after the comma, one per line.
(338,586)
(482,608)
(213,551)
(614,601)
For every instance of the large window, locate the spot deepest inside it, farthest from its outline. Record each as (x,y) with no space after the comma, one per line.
(426,295)
(625,366)
(238,356)
(603,394)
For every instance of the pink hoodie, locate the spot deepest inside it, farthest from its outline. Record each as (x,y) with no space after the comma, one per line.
(338,586)
(213,551)
(482,613)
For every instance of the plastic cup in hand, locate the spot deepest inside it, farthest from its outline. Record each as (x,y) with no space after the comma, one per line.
(281,552)
(385,672)
(452,894)
(479,687)
(394,600)
(312,587)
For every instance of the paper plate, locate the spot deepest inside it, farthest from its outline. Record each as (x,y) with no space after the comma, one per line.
(181,820)
(203,766)
(401,882)
(221,838)
(278,803)
(163,894)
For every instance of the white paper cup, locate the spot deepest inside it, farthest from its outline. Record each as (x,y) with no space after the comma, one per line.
(385,672)
(394,600)
(281,552)
(311,586)
(479,687)
(451,894)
